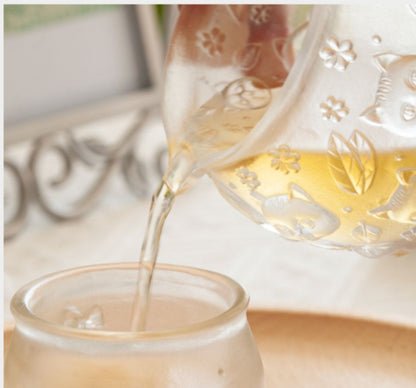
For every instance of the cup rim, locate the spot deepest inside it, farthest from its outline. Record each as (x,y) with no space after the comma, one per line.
(24,315)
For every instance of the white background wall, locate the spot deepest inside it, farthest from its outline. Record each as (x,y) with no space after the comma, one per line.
(71,63)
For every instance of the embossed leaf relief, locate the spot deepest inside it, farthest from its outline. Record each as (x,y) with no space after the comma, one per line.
(284,159)
(211,42)
(337,54)
(282,48)
(352,162)
(333,109)
(366,233)
(248,56)
(237,12)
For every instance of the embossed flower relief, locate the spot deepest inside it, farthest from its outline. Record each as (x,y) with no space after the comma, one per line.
(284,159)
(333,110)
(248,178)
(211,42)
(260,14)
(337,55)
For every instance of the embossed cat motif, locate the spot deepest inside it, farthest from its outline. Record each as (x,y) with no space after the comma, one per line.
(296,215)
(395,103)
(401,206)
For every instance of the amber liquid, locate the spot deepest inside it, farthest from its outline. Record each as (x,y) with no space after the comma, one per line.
(289,190)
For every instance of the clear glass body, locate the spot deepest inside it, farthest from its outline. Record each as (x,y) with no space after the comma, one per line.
(313,139)
(72,331)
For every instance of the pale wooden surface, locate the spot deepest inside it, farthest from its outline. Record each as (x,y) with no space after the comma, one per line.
(319,351)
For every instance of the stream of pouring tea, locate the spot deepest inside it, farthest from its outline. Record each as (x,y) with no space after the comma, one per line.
(162,202)
(219,124)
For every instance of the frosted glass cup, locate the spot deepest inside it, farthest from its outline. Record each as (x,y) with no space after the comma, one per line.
(72,330)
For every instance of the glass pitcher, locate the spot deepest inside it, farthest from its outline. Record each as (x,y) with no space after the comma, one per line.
(304,117)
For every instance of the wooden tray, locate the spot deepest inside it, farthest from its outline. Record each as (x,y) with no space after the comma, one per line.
(320,351)
(312,350)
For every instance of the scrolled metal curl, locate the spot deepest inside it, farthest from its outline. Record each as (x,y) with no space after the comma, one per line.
(14,224)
